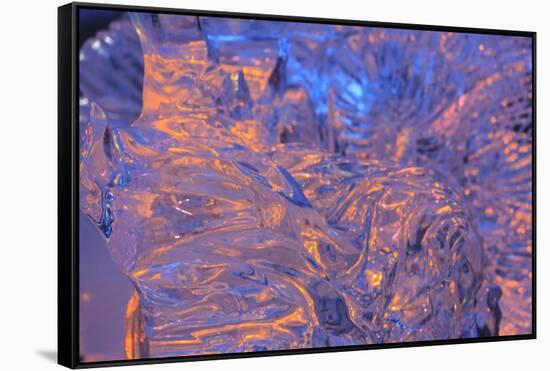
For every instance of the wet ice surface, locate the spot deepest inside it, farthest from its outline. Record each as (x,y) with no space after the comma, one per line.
(271,185)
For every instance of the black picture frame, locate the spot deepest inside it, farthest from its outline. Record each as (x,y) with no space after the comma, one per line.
(68,183)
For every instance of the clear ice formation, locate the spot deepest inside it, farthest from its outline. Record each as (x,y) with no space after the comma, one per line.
(270,185)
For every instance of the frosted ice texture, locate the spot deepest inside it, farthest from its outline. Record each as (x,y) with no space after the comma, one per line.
(271,185)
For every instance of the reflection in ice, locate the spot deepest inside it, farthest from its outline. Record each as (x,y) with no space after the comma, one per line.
(270,185)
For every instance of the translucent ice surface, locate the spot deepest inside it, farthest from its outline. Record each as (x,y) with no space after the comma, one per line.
(271,185)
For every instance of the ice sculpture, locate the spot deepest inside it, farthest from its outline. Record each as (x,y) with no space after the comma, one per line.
(278,185)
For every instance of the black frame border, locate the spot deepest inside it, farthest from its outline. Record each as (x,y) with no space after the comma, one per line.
(68,183)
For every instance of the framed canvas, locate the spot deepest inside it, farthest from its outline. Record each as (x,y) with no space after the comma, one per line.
(243,185)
